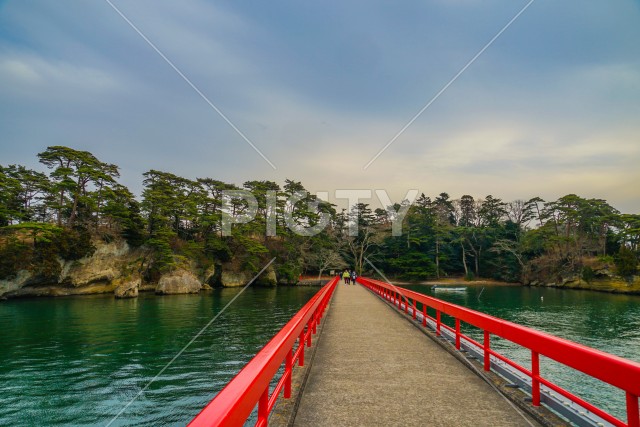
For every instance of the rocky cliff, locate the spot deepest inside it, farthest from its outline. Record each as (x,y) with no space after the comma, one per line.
(102,272)
(600,277)
(115,268)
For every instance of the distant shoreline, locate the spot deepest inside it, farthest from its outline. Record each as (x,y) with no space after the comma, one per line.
(457,281)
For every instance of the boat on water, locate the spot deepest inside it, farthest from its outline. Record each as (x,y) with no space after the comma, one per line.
(436,288)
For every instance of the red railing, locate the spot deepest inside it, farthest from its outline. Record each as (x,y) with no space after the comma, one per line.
(234,404)
(616,371)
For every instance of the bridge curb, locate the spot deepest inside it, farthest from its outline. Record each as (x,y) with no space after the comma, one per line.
(516,396)
(285,411)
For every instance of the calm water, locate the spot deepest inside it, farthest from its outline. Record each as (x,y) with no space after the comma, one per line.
(79,360)
(607,322)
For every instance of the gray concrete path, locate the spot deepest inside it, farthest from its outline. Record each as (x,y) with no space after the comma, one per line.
(373,368)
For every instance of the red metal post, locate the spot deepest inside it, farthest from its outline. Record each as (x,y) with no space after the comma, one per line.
(301,345)
(263,408)
(309,332)
(424,314)
(633,415)
(314,323)
(406,306)
(535,378)
(438,322)
(487,354)
(415,308)
(288,370)
(457,334)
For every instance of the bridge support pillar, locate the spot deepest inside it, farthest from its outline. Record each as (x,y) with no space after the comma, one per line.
(301,344)
(487,351)
(633,415)
(535,378)
(288,372)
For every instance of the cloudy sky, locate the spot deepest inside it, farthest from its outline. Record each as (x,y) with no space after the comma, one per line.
(551,107)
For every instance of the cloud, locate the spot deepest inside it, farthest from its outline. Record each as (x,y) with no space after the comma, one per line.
(29,74)
(551,108)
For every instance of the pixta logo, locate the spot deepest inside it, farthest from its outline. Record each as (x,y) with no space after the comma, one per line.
(242,207)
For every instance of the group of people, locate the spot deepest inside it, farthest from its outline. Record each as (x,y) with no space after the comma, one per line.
(349,277)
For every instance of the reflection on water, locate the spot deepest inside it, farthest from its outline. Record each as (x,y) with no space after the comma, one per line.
(607,322)
(79,360)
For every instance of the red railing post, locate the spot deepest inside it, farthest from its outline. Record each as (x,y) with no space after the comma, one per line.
(487,351)
(415,308)
(406,306)
(424,314)
(288,372)
(301,346)
(263,408)
(457,334)
(535,378)
(438,323)
(633,415)
(309,332)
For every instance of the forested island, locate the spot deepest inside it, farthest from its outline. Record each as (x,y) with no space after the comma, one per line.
(72,228)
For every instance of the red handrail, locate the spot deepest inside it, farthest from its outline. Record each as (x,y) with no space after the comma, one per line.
(617,371)
(235,402)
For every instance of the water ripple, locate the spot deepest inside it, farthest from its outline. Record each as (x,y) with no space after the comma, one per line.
(79,360)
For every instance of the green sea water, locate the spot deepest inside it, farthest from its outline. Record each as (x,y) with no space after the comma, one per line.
(80,360)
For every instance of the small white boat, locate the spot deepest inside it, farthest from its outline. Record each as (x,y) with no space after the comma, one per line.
(449,288)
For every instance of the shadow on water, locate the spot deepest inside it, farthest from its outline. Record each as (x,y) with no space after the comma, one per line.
(79,360)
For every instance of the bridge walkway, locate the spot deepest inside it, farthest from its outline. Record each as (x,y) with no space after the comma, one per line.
(372,367)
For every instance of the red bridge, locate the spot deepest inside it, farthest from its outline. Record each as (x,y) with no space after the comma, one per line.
(383,356)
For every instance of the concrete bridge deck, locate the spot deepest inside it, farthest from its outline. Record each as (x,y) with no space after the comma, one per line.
(372,367)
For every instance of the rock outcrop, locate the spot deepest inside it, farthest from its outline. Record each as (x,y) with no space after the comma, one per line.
(100,273)
(231,279)
(104,266)
(267,278)
(115,268)
(178,282)
(128,289)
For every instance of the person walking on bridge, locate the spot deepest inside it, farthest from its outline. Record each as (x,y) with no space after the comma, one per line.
(354,276)
(346,276)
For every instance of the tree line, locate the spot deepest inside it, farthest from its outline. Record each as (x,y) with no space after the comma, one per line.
(62,212)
